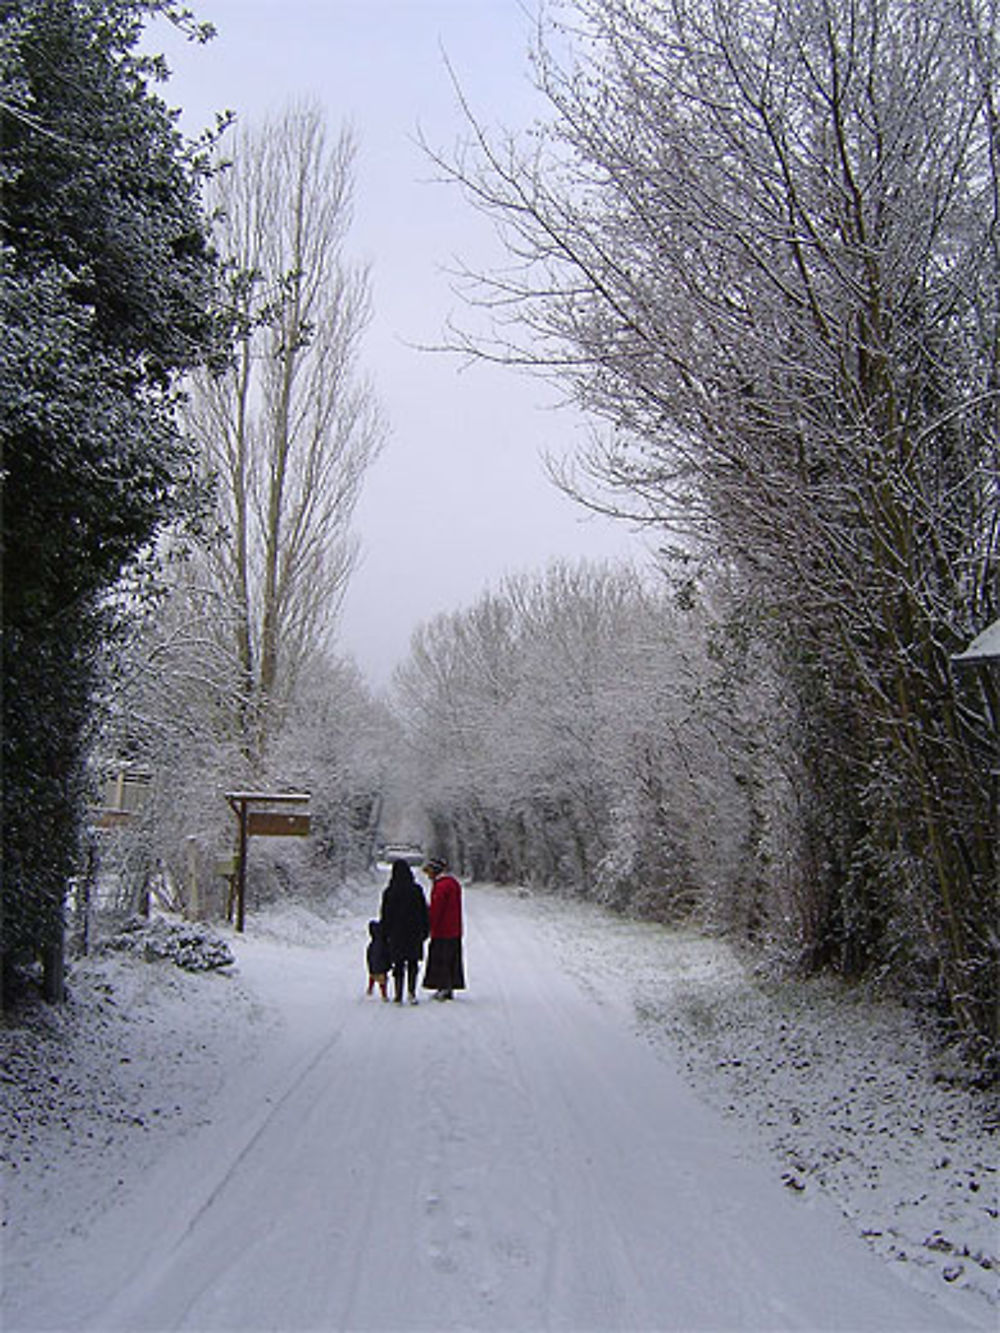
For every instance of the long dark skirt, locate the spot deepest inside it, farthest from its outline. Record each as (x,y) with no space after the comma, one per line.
(444,969)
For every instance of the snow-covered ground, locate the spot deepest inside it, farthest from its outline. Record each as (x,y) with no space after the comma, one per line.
(269,1148)
(845,1094)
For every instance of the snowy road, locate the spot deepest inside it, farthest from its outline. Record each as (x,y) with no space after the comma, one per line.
(516,1160)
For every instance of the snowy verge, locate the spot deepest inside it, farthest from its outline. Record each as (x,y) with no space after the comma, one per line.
(844,1093)
(838,1092)
(92,1091)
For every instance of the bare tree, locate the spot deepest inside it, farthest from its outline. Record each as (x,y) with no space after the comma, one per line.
(170,694)
(290,426)
(558,742)
(761,241)
(170,689)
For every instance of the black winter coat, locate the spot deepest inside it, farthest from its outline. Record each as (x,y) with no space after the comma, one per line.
(404,921)
(377,953)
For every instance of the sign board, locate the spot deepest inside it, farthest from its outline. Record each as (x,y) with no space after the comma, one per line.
(276,824)
(123,795)
(284,814)
(106,818)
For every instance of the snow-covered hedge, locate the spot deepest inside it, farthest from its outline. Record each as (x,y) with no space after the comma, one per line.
(194,947)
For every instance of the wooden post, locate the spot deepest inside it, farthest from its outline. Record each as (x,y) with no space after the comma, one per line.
(241,870)
(145,899)
(85,896)
(193,908)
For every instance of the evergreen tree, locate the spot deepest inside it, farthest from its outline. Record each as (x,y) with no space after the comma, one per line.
(106,284)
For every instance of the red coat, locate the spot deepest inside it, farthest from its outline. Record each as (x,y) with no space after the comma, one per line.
(446,909)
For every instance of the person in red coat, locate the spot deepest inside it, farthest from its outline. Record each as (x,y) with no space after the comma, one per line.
(444,973)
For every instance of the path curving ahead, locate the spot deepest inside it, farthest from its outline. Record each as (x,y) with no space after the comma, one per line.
(514,1160)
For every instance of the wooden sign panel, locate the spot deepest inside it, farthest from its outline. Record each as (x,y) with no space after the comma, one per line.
(274,824)
(108,818)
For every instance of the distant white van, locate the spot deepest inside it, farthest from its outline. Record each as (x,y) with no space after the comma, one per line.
(408,852)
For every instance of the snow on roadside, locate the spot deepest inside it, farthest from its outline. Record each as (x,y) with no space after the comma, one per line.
(840,1093)
(844,1093)
(91,1091)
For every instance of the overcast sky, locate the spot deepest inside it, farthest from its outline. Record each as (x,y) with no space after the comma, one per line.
(459,497)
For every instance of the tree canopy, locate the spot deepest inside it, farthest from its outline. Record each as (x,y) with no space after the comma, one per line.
(760,241)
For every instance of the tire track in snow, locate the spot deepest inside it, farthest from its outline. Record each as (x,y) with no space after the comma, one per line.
(205,1262)
(490,1226)
(590,1273)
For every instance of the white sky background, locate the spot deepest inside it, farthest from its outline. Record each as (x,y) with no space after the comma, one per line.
(459,497)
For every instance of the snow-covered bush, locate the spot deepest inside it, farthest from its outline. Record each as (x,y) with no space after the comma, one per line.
(195,948)
(106,302)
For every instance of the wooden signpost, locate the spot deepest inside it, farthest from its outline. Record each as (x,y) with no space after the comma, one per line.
(264,814)
(124,794)
(276,824)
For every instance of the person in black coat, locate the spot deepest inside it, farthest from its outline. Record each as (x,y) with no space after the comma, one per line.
(405,926)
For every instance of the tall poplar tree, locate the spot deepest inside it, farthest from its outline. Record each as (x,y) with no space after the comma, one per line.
(290,428)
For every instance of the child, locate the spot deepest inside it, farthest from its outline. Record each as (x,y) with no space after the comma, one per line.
(378,959)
